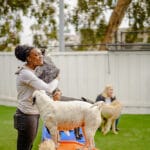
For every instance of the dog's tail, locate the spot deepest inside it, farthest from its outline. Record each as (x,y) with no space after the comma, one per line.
(87,100)
(98,104)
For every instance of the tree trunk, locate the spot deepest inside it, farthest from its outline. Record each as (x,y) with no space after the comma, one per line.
(114,22)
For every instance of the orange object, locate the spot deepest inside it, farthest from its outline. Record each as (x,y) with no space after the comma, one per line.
(70,145)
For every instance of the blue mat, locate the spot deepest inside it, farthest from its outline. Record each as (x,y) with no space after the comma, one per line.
(63,136)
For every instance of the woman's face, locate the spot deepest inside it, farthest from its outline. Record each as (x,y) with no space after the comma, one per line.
(110,92)
(35,57)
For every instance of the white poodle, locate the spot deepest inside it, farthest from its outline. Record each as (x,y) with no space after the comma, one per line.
(59,115)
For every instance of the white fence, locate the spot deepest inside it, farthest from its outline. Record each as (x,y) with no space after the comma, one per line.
(86,74)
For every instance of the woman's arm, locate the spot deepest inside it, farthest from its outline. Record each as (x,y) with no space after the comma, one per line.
(113,98)
(100,98)
(28,77)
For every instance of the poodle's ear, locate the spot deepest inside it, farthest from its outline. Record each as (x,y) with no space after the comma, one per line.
(33,100)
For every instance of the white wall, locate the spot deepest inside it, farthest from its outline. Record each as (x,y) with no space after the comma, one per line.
(86,74)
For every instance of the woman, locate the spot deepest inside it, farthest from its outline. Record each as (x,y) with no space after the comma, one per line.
(108,97)
(27,115)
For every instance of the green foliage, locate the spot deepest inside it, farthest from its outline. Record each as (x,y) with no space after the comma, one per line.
(92,36)
(87,16)
(139,14)
(148,40)
(10,22)
(44,27)
(83,6)
(101,29)
(130,37)
(137,37)
(89,36)
(88,13)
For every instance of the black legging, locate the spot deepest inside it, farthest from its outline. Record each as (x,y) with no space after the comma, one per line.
(27,126)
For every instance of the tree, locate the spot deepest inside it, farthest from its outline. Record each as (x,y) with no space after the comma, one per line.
(138,14)
(114,21)
(44,27)
(139,17)
(86,16)
(41,12)
(10,22)
(89,19)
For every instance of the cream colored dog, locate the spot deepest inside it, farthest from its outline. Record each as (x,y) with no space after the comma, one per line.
(109,115)
(47,145)
(59,115)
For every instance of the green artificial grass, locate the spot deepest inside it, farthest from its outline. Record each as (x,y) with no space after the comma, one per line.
(8,135)
(134,133)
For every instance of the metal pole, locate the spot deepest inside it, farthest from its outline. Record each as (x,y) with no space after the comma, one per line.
(61,26)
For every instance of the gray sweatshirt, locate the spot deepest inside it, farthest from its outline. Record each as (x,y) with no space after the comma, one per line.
(27,82)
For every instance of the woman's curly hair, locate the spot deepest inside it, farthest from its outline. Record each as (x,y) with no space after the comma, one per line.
(22,52)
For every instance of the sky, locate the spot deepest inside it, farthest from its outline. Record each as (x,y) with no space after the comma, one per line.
(26,35)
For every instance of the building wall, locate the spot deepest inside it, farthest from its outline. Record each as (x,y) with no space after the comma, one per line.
(86,74)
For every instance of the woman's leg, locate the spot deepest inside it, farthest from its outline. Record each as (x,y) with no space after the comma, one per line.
(27,126)
(116,124)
